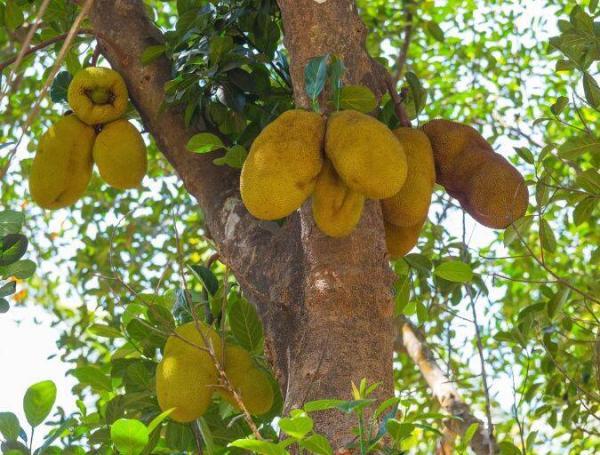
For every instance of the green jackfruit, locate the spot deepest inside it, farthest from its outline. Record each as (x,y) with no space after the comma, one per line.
(62,166)
(190,342)
(281,169)
(120,154)
(97,95)
(411,204)
(335,207)
(401,239)
(366,154)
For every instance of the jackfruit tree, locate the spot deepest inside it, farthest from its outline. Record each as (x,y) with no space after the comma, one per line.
(299,226)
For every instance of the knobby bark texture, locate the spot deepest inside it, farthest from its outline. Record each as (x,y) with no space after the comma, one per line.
(326,304)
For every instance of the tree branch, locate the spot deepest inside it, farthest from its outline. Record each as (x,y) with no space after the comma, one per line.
(411,341)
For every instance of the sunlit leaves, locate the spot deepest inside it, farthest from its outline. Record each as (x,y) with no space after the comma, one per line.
(38,401)
(130,436)
(358,98)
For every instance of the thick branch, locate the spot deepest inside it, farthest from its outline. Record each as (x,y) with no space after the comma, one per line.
(411,341)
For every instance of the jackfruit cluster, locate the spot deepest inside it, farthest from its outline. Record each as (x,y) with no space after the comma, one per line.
(340,161)
(187,378)
(487,186)
(93,133)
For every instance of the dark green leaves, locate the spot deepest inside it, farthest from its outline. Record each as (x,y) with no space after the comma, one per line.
(9,426)
(94,377)
(151,53)
(38,401)
(315,75)
(244,322)
(591,90)
(10,222)
(12,248)
(60,86)
(417,95)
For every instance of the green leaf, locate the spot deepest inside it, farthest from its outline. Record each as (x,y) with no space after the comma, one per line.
(13,15)
(589,180)
(358,98)
(21,269)
(416,92)
(218,47)
(38,401)
(419,262)
(9,426)
(156,421)
(336,72)
(130,436)
(591,90)
(583,210)
(559,105)
(204,143)
(508,448)
(297,427)
(60,86)
(557,301)
(455,271)
(433,28)
(466,438)
(262,447)
(94,377)
(10,222)
(317,444)
(8,289)
(593,6)
(105,331)
(234,157)
(547,236)
(315,75)
(151,53)
(576,146)
(526,154)
(399,430)
(322,405)
(244,323)
(4,305)
(207,278)
(12,248)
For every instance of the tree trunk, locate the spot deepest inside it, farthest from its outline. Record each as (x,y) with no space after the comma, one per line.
(326,304)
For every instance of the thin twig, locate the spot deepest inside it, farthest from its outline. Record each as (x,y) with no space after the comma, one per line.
(403,55)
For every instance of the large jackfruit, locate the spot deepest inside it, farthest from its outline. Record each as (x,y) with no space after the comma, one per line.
(410,205)
(120,154)
(335,207)
(281,169)
(366,154)
(401,239)
(186,385)
(97,95)
(62,166)
(250,382)
(488,187)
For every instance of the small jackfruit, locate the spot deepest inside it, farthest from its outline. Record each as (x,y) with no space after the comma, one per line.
(410,205)
(252,384)
(62,166)
(186,385)
(97,95)
(335,207)
(366,154)
(488,187)
(120,154)
(281,169)
(401,239)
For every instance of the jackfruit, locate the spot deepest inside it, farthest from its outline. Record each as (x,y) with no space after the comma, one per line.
(411,204)
(335,207)
(366,154)
(97,95)
(190,343)
(281,169)
(120,154)
(401,239)
(62,166)
(249,381)
(488,187)
(186,385)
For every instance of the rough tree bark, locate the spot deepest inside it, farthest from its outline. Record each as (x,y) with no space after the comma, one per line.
(326,304)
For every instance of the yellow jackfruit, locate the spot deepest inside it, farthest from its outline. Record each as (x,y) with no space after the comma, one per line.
(401,239)
(411,204)
(250,382)
(97,95)
(190,343)
(335,207)
(281,169)
(366,154)
(120,154)
(62,166)
(186,385)
(488,187)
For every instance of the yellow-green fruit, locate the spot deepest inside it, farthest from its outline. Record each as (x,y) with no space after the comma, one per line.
(186,385)
(400,240)
(97,95)
(62,166)
(250,382)
(120,154)
(283,164)
(191,341)
(366,154)
(411,204)
(335,207)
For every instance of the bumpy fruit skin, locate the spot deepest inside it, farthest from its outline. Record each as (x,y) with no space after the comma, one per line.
(488,187)
(97,95)
(188,340)
(283,164)
(400,240)
(366,154)
(62,166)
(335,207)
(120,154)
(185,385)
(410,205)
(250,382)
